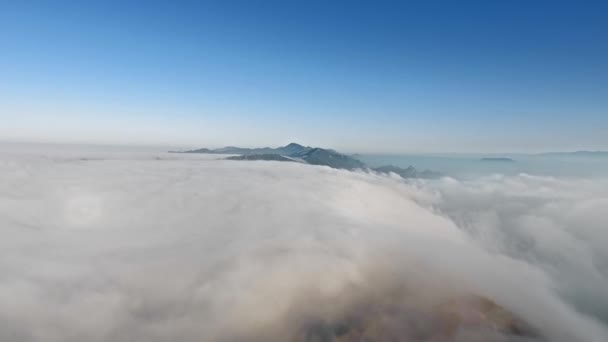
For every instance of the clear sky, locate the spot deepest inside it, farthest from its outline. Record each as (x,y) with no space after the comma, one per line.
(407,76)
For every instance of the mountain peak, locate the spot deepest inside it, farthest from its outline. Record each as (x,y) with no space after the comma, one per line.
(292,148)
(293,144)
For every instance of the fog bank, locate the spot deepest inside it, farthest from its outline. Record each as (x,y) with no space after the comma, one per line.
(98,247)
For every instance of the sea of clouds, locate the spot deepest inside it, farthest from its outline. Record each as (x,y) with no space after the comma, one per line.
(141,247)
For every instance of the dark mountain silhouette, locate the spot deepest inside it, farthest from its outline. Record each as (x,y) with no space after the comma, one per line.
(294,152)
(290,149)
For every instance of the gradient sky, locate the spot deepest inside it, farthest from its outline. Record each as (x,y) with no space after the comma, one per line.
(424,76)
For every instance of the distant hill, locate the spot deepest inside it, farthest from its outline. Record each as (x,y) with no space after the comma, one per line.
(409,172)
(314,156)
(577,153)
(290,149)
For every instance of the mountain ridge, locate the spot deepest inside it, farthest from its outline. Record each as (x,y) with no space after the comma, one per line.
(598,153)
(294,152)
(289,149)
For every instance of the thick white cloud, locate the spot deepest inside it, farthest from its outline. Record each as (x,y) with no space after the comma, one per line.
(132,248)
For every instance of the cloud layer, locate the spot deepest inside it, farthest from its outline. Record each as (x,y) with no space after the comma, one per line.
(141,249)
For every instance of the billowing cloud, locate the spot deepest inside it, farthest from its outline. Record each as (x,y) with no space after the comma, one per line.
(111,248)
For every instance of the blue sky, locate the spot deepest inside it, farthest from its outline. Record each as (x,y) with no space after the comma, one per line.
(408,76)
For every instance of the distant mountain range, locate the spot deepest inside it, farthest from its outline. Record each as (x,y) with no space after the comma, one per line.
(312,155)
(577,153)
(409,172)
(285,150)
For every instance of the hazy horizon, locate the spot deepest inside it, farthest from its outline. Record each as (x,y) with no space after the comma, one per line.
(455,165)
(405,151)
